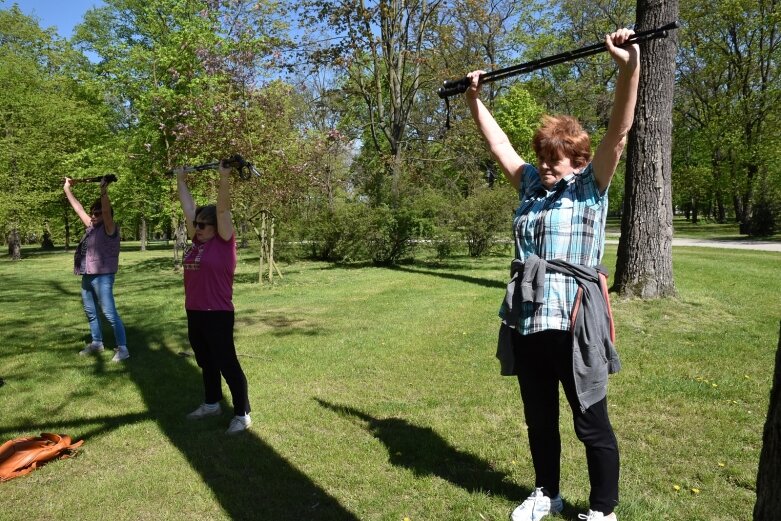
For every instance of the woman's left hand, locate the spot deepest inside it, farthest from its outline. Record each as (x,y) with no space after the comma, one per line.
(623,56)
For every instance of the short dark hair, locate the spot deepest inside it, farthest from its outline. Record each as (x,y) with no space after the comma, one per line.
(98,205)
(208,214)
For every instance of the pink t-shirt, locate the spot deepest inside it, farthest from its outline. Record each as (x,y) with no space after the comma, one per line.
(208,274)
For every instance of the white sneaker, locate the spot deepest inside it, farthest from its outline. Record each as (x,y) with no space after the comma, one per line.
(537,506)
(120,353)
(204,410)
(92,348)
(597,516)
(239,424)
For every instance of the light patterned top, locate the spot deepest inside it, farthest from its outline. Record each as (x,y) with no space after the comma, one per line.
(566,222)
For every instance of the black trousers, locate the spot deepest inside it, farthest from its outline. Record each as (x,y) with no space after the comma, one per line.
(211,337)
(543,360)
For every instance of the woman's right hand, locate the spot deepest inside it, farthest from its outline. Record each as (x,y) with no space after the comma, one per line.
(68,184)
(474,89)
(179,172)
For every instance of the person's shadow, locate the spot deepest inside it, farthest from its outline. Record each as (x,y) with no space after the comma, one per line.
(424,452)
(248,477)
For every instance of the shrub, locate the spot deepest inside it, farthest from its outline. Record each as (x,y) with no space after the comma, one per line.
(483,215)
(355,232)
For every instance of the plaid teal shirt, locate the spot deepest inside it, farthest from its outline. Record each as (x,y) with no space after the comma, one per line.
(566,222)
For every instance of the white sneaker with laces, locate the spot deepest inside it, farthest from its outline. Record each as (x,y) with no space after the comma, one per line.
(204,410)
(239,424)
(92,348)
(598,516)
(537,506)
(120,353)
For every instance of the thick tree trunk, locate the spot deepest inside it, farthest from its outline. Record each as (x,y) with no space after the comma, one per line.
(768,506)
(644,265)
(14,245)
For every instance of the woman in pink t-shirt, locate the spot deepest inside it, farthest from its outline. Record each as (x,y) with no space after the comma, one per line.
(209,266)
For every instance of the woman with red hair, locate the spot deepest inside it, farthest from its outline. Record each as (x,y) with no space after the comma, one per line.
(556,321)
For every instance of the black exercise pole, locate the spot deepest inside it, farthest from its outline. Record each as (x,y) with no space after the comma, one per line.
(243,167)
(454,87)
(110,178)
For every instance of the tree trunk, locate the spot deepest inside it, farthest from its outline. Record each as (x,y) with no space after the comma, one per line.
(644,264)
(14,245)
(180,243)
(748,199)
(66,208)
(768,503)
(142,233)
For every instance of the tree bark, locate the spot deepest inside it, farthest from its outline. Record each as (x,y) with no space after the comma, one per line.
(180,243)
(142,233)
(14,245)
(66,210)
(768,503)
(644,265)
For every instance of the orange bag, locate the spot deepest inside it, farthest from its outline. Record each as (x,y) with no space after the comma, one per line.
(21,456)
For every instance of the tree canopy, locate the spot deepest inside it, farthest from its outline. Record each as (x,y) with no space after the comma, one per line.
(335,103)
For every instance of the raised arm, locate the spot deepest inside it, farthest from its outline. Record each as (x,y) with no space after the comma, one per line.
(224,218)
(498,142)
(186,199)
(75,204)
(105,206)
(609,151)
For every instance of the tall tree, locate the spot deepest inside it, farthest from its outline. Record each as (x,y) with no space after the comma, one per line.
(381,46)
(188,72)
(730,94)
(644,265)
(52,124)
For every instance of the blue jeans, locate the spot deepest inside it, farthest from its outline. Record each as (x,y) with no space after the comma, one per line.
(99,290)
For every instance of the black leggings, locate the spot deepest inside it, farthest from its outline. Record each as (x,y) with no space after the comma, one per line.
(211,336)
(543,360)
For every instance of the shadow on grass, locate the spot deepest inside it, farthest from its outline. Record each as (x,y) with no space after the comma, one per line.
(247,476)
(487,283)
(425,453)
(105,424)
(281,324)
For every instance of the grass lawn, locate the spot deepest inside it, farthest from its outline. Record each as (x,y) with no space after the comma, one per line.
(683,229)
(376,395)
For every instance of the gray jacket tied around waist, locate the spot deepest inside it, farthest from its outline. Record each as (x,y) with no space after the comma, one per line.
(594,355)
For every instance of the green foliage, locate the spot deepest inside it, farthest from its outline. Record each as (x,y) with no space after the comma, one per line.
(190,81)
(481,216)
(356,232)
(728,100)
(765,218)
(189,74)
(519,116)
(52,124)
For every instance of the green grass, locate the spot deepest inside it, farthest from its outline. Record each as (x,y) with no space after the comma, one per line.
(376,395)
(683,229)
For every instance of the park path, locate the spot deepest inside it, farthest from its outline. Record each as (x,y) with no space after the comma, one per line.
(727,244)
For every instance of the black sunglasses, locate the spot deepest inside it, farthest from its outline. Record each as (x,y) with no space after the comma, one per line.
(96,213)
(201,225)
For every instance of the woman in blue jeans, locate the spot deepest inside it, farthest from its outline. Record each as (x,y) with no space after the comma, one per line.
(97,261)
